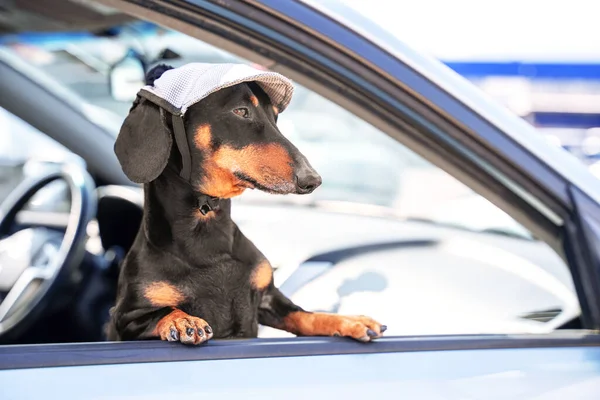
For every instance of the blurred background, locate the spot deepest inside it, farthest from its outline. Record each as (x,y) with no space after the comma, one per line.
(539,58)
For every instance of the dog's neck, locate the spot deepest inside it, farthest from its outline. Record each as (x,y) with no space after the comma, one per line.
(173,214)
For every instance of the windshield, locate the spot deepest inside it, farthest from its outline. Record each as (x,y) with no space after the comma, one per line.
(370,169)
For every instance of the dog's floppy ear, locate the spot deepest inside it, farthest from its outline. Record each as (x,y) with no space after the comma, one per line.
(144,142)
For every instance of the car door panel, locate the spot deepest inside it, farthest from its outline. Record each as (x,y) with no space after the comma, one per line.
(493,373)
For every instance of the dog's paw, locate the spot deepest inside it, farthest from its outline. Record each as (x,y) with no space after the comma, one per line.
(181,327)
(359,327)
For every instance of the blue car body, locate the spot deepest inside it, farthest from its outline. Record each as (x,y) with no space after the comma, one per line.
(563,366)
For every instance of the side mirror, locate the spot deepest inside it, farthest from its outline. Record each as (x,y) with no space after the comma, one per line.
(126,77)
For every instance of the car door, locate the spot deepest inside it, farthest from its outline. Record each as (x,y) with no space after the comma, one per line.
(407,97)
(495,367)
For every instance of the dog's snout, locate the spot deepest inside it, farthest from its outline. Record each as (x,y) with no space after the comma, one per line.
(307,180)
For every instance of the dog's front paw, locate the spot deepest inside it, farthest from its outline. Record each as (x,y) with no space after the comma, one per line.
(357,327)
(181,327)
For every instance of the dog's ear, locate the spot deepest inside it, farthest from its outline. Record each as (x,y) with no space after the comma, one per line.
(144,142)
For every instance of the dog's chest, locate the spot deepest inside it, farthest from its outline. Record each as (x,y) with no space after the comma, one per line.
(224,297)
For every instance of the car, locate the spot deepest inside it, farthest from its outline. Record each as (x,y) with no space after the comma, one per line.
(441,214)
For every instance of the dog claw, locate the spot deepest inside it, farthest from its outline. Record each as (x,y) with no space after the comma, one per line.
(371,333)
(383,328)
(208,330)
(182,327)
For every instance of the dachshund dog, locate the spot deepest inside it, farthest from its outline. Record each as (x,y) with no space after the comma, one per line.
(191,274)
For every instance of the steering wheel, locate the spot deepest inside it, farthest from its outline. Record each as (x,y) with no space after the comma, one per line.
(33,260)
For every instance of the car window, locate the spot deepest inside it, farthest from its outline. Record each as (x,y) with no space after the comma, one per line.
(396,237)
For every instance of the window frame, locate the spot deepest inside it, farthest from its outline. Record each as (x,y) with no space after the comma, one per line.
(87,354)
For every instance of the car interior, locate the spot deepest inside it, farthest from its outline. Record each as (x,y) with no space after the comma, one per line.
(372,240)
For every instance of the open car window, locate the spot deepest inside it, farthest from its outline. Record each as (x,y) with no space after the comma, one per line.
(442,258)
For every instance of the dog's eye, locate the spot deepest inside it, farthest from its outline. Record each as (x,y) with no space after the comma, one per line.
(242,112)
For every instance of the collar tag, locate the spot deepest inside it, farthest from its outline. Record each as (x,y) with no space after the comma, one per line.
(205,208)
(207,205)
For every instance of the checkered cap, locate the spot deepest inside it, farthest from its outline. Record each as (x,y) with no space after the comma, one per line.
(185,86)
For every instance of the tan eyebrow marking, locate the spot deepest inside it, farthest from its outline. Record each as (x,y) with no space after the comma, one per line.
(254,100)
(275,110)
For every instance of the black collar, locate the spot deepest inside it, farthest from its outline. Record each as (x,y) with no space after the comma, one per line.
(204,202)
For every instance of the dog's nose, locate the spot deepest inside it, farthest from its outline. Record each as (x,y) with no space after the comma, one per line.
(307,180)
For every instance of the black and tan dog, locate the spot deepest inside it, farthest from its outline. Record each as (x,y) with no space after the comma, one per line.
(191,274)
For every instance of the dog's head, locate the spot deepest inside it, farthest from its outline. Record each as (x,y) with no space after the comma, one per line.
(233,140)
